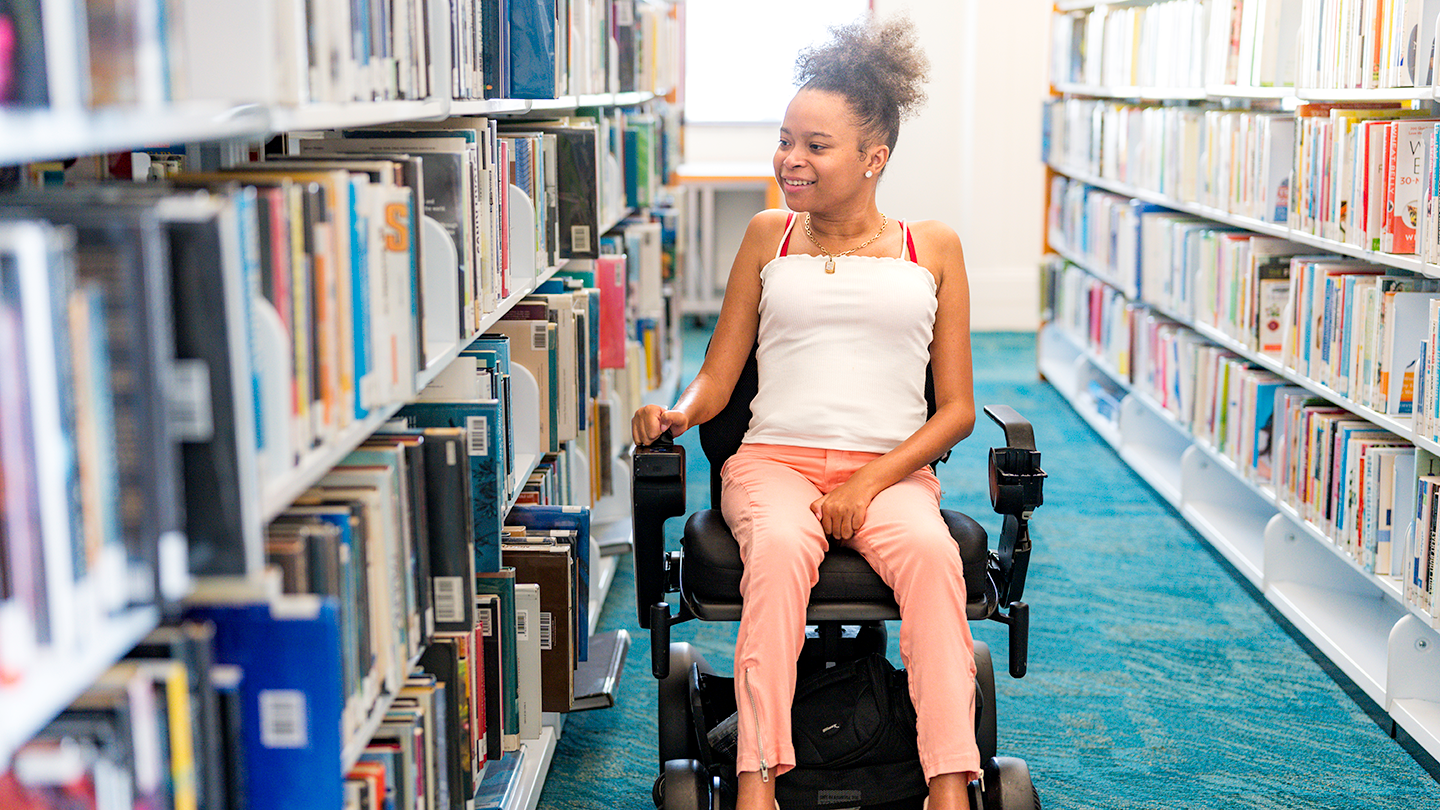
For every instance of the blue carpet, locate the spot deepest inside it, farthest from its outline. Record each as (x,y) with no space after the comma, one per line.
(1157,678)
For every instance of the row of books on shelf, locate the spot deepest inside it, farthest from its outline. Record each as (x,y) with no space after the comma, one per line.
(141,400)
(1194,44)
(1360,486)
(1350,325)
(1235,161)
(420,611)
(1364,176)
(152,53)
(385,645)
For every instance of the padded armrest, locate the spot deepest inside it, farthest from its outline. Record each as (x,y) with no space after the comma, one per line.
(657,489)
(1018,432)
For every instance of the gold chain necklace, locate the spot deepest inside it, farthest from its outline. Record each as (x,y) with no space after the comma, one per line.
(829,258)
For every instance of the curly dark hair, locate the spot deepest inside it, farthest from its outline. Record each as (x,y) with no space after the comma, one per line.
(877,66)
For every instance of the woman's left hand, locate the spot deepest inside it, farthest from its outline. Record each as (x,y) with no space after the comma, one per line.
(841,512)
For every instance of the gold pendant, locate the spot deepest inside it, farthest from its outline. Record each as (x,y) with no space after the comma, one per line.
(829,264)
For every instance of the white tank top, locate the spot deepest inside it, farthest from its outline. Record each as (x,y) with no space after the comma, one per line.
(842,355)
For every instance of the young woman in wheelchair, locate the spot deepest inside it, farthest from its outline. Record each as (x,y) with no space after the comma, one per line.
(848,308)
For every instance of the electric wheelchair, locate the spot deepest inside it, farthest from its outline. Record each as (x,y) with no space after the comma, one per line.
(847,610)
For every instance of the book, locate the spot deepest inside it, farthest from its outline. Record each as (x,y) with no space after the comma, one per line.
(502,585)
(451,537)
(527,664)
(533,345)
(288,651)
(191,644)
(532,49)
(550,566)
(482,422)
(489,616)
(442,661)
(543,519)
(501,781)
(597,680)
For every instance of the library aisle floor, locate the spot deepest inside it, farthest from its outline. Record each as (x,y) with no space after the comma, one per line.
(1157,679)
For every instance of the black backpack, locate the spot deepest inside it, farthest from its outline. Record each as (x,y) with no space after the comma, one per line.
(853,727)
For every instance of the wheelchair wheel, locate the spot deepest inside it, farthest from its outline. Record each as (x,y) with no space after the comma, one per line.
(678,739)
(684,785)
(985,723)
(1008,786)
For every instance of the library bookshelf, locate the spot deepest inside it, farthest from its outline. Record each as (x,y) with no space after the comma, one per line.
(217,133)
(1112,167)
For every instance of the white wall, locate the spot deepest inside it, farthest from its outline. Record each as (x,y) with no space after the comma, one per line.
(971,157)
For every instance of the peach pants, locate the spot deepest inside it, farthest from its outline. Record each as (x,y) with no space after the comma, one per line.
(766,497)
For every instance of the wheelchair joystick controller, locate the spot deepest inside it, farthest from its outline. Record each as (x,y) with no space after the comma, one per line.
(660,640)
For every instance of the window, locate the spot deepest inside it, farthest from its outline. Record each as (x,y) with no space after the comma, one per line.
(740,54)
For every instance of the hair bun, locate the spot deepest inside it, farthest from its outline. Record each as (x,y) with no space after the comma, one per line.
(878,65)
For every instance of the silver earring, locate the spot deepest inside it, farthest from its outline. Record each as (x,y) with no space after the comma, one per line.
(869,174)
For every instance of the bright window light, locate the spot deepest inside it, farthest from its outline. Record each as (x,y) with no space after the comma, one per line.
(740,54)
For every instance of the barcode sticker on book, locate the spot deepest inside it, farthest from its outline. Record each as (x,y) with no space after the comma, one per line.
(487,627)
(580,238)
(547,631)
(477,429)
(540,337)
(191,417)
(283,719)
(522,625)
(447,590)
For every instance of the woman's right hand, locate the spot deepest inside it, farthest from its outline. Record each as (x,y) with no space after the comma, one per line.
(651,421)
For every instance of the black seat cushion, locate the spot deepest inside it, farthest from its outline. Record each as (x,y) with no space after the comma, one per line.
(848,588)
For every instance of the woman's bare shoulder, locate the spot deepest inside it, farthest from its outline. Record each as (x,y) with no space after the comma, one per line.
(763,235)
(935,233)
(769,223)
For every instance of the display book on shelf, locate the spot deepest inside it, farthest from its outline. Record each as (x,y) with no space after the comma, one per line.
(235,394)
(1314,567)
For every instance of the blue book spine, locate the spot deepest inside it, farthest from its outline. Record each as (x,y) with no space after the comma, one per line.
(482,423)
(360,300)
(290,692)
(576,518)
(532,48)
(247,219)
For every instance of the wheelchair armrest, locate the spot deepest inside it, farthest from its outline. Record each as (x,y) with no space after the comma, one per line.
(1016,491)
(1018,432)
(657,491)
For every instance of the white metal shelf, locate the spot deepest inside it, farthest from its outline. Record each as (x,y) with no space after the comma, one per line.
(346,115)
(1352,616)
(38,135)
(1384,586)
(1135,93)
(1351,632)
(1235,91)
(1356,94)
(28,136)
(56,678)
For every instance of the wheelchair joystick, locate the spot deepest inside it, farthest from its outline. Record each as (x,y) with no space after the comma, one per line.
(1019,638)
(660,640)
